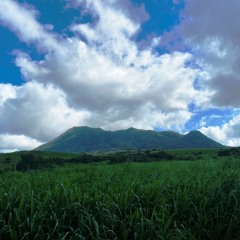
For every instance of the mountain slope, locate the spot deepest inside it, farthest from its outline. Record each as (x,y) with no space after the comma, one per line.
(85,139)
(196,138)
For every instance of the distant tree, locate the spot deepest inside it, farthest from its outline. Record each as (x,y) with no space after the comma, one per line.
(225,152)
(161,155)
(8,160)
(30,162)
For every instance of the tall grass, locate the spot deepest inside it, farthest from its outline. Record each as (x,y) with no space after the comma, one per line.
(165,200)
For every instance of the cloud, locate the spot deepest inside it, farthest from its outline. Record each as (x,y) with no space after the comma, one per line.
(227,134)
(7,92)
(97,77)
(211,30)
(38,112)
(9,143)
(135,12)
(208,29)
(22,20)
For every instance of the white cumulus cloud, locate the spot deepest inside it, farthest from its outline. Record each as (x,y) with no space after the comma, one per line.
(228,134)
(9,143)
(22,20)
(97,77)
(38,112)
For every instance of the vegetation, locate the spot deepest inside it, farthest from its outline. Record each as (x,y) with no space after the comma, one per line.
(35,160)
(85,139)
(186,194)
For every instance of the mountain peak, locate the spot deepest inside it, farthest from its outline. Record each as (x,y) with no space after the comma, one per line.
(86,139)
(195,132)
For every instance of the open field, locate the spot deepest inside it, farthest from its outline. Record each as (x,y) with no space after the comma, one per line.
(174,199)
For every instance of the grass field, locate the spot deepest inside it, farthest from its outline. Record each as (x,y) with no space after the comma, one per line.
(156,200)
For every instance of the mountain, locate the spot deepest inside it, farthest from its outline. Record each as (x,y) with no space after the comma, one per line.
(86,139)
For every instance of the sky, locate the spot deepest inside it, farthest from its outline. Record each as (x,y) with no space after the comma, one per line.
(114,64)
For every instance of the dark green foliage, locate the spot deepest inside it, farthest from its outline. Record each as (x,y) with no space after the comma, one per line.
(85,139)
(139,156)
(161,155)
(30,161)
(224,153)
(8,160)
(234,151)
(35,160)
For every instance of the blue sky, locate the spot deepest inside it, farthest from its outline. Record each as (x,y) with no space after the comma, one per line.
(168,65)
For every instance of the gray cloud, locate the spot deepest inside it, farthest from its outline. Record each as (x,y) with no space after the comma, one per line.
(211,29)
(227,93)
(209,18)
(135,12)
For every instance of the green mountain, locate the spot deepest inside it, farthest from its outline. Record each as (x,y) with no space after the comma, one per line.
(86,139)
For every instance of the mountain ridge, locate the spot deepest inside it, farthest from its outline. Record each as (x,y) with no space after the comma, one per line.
(87,139)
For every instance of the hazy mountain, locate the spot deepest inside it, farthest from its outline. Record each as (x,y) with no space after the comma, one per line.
(85,139)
